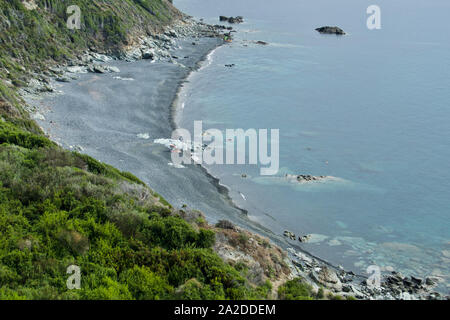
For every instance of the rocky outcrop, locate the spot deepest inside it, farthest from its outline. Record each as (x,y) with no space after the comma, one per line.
(261,259)
(237,19)
(218,26)
(304,238)
(154,47)
(290,235)
(397,284)
(337,281)
(328,278)
(305,177)
(331,30)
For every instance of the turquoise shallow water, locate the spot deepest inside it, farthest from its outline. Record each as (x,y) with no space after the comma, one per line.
(371,108)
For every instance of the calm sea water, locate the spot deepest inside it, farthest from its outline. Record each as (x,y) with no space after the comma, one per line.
(371,108)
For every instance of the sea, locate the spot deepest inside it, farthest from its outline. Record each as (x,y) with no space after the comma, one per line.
(370,110)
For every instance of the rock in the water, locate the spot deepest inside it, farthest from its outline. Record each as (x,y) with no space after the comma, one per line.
(112,69)
(331,30)
(289,235)
(237,19)
(429,282)
(417,281)
(97,69)
(304,238)
(305,177)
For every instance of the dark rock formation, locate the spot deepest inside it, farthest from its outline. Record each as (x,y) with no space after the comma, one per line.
(225,224)
(304,238)
(237,19)
(331,30)
(289,235)
(305,177)
(218,26)
(328,278)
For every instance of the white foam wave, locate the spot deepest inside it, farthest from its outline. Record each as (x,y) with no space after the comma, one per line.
(178,166)
(145,136)
(178,146)
(123,79)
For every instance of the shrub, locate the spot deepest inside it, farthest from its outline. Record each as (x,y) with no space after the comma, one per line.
(145,285)
(295,289)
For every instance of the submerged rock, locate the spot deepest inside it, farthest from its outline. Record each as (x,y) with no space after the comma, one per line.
(96,69)
(218,26)
(225,224)
(331,30)
(237,19)
(305,177)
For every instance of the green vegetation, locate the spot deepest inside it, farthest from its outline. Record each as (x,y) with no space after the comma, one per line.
(30,39)
(57,209)
(61,208)
(296,289)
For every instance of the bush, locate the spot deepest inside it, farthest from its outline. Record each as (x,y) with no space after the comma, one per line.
(173,232)
(295,289)
(194,290)
(145,285)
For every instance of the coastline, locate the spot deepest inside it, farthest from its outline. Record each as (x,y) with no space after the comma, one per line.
(298,252)
(174,109)
(224,190)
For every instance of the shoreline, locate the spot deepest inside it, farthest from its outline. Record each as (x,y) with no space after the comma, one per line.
(224,191)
